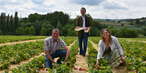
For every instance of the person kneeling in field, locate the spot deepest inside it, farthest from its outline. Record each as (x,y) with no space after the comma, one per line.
(110,49)
(53,49)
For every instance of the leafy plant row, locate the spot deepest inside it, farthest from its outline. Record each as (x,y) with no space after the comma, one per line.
(14,54)
(36,64)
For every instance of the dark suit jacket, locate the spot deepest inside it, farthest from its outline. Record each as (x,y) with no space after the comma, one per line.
(79,22)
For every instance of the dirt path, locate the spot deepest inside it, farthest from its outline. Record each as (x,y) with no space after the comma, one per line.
(72,44)
(144,62)
(94,45)
(19,42)
(81,65)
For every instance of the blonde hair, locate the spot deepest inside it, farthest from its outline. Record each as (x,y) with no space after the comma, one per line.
(110,39)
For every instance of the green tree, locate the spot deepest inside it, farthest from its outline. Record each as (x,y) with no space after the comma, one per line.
(27,30)
(11,24)
(46,29)
(16,22)
(3,23)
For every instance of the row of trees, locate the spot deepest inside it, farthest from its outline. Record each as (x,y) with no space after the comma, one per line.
(38,24)
(8,23)
(128,32)
(34,24)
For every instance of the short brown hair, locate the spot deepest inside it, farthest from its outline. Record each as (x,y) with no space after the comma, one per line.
(55,30)
(83,8)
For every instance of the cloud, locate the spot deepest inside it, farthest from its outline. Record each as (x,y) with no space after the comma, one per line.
(42,8)
(38,1)
(11,2)
(87,2)
(108,4)
(96,8)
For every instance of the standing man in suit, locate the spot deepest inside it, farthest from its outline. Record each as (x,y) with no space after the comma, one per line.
(83,23)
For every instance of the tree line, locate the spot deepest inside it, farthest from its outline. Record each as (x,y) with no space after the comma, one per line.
(8,23)
(42,24)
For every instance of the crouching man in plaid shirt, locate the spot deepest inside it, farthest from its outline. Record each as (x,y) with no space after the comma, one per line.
(55,47)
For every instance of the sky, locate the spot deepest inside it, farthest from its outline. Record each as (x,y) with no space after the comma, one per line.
(103,9)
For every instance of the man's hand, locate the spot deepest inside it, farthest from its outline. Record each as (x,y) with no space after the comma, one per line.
(79,28)
(87,29)
(53,61)
(49,57)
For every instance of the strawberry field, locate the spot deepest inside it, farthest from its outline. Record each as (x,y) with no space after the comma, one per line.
(5,39)
(32,54)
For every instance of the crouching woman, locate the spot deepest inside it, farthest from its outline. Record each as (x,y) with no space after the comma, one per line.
(109,49)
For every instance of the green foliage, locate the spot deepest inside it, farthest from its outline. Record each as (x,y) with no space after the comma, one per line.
(5,39)
(0,32)
(68,29)
(15,54)
(42,24)
(144,30)
(31,67)
(46,29)
(26,30)
(63,68)
(124,32)
(8,24)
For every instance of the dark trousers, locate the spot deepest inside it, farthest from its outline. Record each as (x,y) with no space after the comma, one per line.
(61,53)
(83,42)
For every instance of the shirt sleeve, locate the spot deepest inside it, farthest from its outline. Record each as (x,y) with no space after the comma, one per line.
(46,45)
(120,49)
(100,50)
(63,44)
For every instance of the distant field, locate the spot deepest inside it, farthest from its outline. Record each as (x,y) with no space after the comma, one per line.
(11,38)
(4,39)
(136,39)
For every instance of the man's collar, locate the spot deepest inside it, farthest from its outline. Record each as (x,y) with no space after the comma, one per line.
(83,15)
(55,40)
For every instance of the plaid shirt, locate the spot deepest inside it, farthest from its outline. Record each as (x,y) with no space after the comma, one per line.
(52,45)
